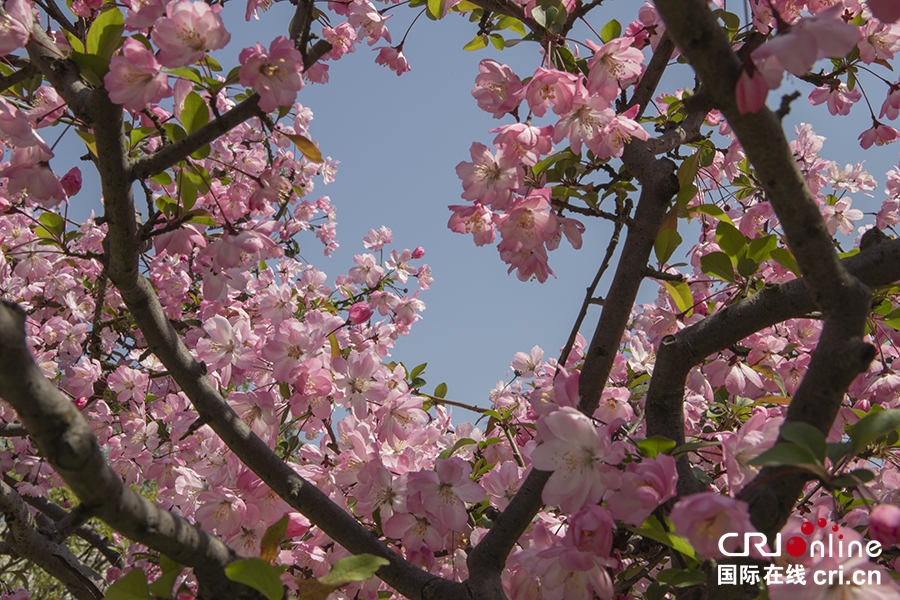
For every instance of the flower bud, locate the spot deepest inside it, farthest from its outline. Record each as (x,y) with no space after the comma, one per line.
(360,313)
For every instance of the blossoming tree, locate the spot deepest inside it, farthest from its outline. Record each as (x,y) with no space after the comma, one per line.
(192,412)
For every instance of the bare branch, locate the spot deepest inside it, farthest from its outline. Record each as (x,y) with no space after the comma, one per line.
(28,542)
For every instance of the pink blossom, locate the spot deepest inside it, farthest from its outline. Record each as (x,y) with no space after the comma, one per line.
(891,105)
(360,312)
(584,122)
(524,141)
(187,32)
(15,25)
(498,89)
(884,524)
(476,219)
(393,58)
(377,239)
(878,134)
(490,179)
(443,493)
(580,456)
(134,79)
(71,182)
(528,221)
(342,39)
(143,14)
(613,66)
(809,39)
(839,98)
(371,24)
(841,216)
(528,364)
(751,90)
(617,132)
(705,518)
(879,41)
(645,486)
(886,11)
(551,87)
(276,76)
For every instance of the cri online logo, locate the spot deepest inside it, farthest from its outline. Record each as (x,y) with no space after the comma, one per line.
(796,545)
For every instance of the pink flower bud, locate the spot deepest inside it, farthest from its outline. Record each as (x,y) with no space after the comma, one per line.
(359,313)
(884,524)
(297,525)
(418,252)
(71,182)
(80,403)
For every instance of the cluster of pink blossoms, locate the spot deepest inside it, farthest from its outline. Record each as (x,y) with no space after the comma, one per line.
(501,185)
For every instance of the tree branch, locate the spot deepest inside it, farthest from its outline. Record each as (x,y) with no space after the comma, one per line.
(69,445)
(171,154)
(841,354)
(28,542)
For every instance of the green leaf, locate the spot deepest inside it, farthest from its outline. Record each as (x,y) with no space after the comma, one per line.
(711,210)
(440,391)
(305,146)
(497,41)
(271,542)
(717,264)
(746,267)
(681,577)
(437,9)
(805,435)
(610,31)
(105,33)
(785,454)
(195,113)
(76,44)
(313,589)
(417,371)
(760,249)
(550,14)
(688,170)
(53,223)
(259,575)
(353,568)
(681,294)
(664,537)
(666,243)
(93,68)
(513,24)
(477,43)
(784,258)
(133,586)
(189,73)
(653,446)
(872,427)
(164,584)
(685,194)
(447,453)
(730,240)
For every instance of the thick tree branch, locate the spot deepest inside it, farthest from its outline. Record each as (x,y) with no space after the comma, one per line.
(841,354)
(63,74)
(28,542)
(69,445)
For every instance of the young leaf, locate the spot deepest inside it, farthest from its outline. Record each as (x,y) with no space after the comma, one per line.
(651,447)
(872,427)
(805,435)
(105,33)
(666,243)
(163,585)
(271,542)
(440,391)
(353,568)
(258,574)
(711,210)
(195,113)
(133,586)
(730,240)
(309,150)
(610,31)
(681,294)
(717,264)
